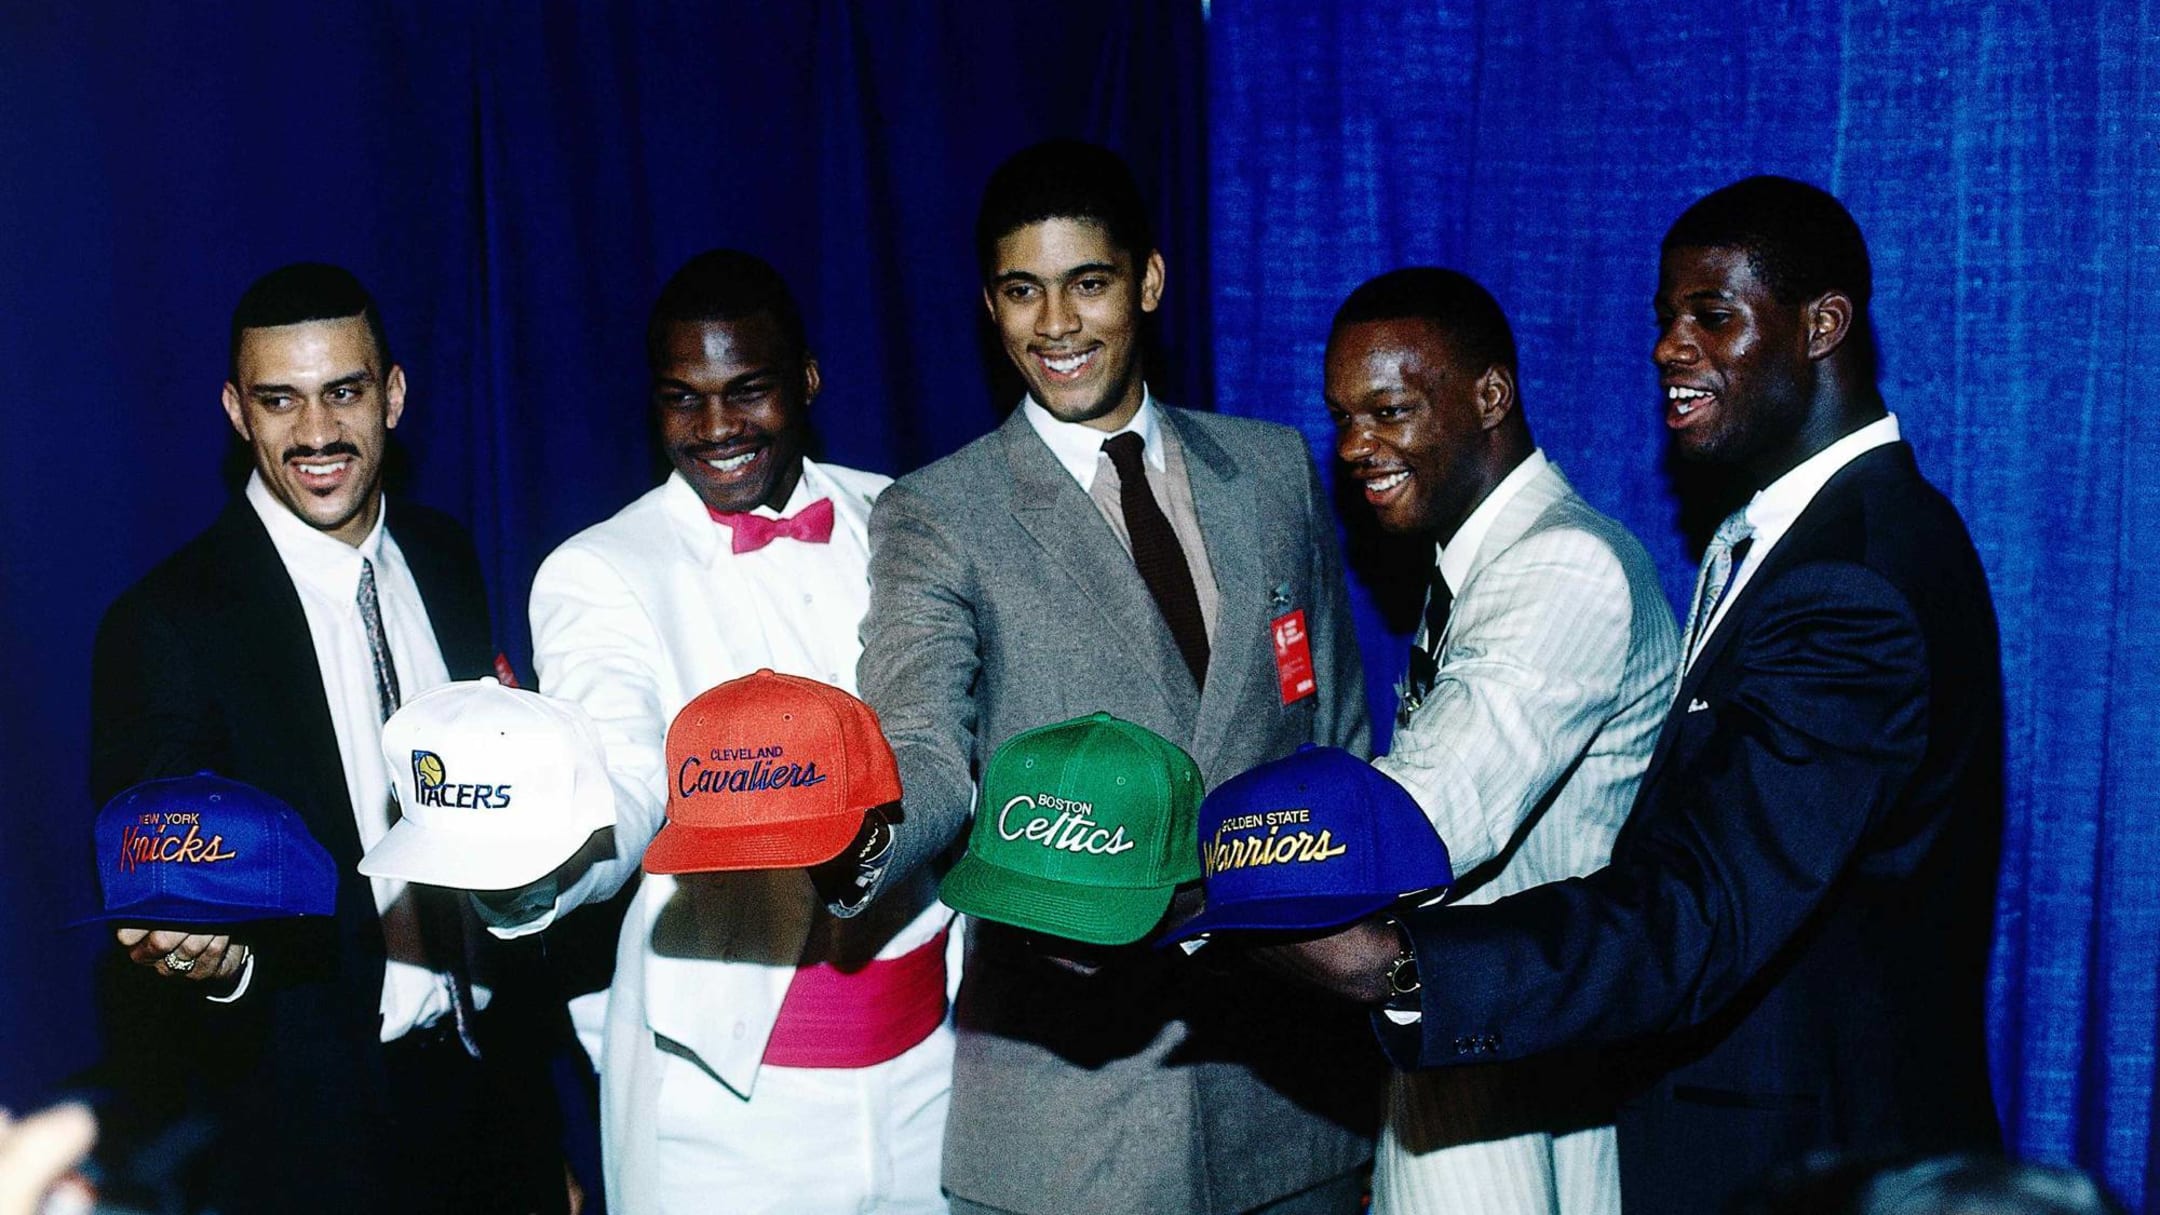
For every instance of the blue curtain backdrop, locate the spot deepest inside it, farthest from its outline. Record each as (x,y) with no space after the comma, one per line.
(2001,158)
(514,181)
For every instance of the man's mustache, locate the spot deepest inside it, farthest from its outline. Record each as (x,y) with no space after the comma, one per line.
(339,448)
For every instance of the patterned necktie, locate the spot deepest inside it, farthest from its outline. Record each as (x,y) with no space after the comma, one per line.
(1425,649)
(378,643)
(1728,548)
(441,930)
(1156,552)
(811,525)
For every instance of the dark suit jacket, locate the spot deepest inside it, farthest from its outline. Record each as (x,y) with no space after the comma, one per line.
(1789,949)
(207,663)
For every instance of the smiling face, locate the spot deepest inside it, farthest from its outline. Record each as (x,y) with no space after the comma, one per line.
(733,403)
(316,406)
(1412,426)
(1733,363)
(1067,303)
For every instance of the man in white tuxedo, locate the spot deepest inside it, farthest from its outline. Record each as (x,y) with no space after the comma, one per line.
(749,556)
(1538,680)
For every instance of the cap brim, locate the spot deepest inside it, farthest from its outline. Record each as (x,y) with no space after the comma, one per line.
(168,909)
(1094,915)
(788,845)
(463,861)
(1300,914)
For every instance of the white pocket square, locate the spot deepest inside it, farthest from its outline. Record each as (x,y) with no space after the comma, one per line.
(1697,706)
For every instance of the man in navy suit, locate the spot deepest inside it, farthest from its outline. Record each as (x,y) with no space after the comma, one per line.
(1789,949)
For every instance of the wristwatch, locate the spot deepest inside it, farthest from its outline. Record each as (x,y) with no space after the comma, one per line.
(1402,975)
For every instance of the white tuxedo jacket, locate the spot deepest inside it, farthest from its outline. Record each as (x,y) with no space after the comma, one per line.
(632,618)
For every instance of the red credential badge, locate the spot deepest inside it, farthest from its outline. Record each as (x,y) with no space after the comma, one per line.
(1293,657)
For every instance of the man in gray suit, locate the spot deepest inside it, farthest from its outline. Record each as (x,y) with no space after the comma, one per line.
(1100,551)
(1538,682)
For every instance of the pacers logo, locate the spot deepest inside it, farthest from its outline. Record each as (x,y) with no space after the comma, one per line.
(427,773)
(432,787)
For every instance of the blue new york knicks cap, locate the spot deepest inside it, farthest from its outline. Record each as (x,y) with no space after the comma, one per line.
(205,850)
(1314,840)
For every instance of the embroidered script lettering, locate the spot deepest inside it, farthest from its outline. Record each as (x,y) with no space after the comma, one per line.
(1072,830)
(693,777)
(148,843)
(1276,847)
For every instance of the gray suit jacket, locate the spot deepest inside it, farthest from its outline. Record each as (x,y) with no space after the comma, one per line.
(1000,600)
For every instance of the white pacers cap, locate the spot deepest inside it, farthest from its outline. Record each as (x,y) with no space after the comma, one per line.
(497,787)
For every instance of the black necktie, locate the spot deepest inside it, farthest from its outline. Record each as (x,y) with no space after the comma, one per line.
(1425,659)
(442,931)
(1156,553)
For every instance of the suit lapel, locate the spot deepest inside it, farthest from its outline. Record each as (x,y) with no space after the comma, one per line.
(272,643)
(1246,607)
(461,626)
(1065,523)
(1788,550)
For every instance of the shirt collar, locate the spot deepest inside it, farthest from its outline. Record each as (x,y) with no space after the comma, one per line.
(1460,551)
(1078,446)
(315,558)
(1772,510)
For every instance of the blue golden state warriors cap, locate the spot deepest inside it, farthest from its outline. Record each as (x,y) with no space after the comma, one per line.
(1314,840)
(205,850)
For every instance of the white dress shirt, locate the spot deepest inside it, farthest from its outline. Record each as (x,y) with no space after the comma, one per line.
(326,572)
(1775,507)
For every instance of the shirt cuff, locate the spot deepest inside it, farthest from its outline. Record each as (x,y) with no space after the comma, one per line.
(510,914)
(247,976)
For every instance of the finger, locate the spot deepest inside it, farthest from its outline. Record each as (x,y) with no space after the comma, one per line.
(160,942)
(195,945)
(220,963)
(128,936)
(39,1149)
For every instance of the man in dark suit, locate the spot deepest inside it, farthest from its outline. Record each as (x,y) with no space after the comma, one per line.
(1789,949)
(336,1062)
(1101,551)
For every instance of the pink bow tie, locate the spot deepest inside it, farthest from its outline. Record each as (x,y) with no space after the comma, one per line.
(811,525)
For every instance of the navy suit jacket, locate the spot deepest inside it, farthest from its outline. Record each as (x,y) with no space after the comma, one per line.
(207,663)
(1789,949)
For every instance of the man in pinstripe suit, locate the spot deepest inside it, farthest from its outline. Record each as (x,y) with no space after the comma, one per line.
(1539,679)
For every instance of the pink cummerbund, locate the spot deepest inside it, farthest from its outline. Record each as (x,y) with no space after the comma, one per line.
(836,1018)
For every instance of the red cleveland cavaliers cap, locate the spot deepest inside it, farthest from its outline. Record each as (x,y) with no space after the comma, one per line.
(769,772)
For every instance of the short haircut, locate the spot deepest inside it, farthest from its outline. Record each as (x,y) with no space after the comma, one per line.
(1799,240)
(726,285)
(1063,179)
(1452,301)
(302,292)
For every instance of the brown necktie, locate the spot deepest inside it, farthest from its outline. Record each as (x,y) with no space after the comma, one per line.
(1156,553)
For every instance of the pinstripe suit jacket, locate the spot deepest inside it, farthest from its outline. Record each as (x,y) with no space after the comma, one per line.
(1000,600)
(1556,669)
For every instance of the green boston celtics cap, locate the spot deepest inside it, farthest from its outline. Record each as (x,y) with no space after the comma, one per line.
(1084,831)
